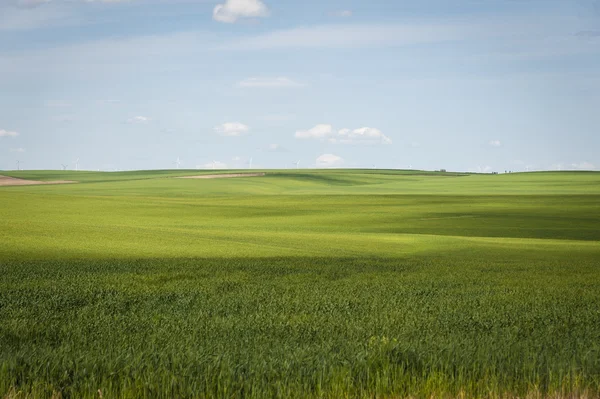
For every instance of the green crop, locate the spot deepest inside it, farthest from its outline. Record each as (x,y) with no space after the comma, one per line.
(319,284)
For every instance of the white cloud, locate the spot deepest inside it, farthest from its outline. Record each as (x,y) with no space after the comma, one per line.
(138,119)
(321,131)
(6,133)
(272,83)
(17,150)
(329,161)
(363,135)
(231,129)
(232,10)
(495,143)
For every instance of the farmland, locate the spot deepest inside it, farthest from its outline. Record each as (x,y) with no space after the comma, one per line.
(324,284)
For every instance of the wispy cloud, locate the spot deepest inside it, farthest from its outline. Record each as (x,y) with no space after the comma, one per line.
(108,102)
(481,169)
(347,36)
(24,15)
(231,129)
(105,57)
(139,119)
(329,161)
(495,143)
(115,55)
(277,118)
(29,16)
(108,1)
(276,148)
(342,13)
(36,3)
(499,37)
(31,3)
(213,165)
(574,166)
(57,104)
(269,83)
(8,133)
(588,33)
(17,150)
(63,118)
(584,166)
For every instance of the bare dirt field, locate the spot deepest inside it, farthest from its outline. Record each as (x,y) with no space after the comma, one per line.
(13,181)
(223,176)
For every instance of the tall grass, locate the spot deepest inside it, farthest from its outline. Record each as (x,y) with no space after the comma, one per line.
(301,327)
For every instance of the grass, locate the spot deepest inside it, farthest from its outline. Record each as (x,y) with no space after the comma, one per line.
(323,284)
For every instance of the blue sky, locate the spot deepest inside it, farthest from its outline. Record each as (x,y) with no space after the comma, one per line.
(470,85)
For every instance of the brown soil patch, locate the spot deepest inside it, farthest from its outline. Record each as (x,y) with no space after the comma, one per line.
(13,181)
(223,176)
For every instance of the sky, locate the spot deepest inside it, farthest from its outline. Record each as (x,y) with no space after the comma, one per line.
(463,85)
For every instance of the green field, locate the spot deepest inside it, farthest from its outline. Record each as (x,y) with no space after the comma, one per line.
(319,284)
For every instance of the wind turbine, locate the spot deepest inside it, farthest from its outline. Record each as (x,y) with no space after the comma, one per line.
(297,163)
(178,162)
(18,165)
(214,164)
(250,163)
(64,166)
(77,164)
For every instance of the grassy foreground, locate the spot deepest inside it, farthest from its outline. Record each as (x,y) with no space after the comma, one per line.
(321,284)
